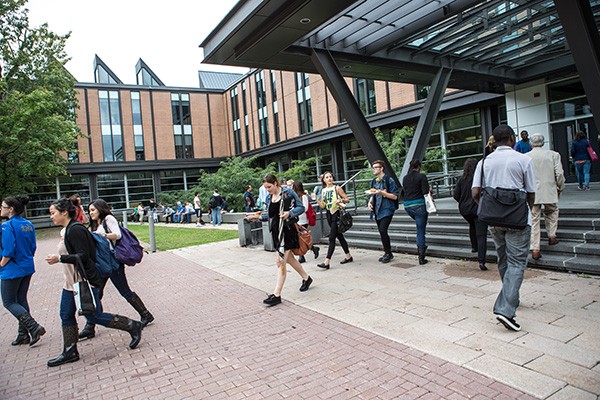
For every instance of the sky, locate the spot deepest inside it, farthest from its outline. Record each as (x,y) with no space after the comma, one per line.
(164,34)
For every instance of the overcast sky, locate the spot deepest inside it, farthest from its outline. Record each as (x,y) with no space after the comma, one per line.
(165,34)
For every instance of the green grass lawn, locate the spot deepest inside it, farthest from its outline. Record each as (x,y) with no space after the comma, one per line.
(174,238)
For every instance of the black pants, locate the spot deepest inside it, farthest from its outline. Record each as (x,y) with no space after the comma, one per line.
(478,236)
(383,224)
(333,234)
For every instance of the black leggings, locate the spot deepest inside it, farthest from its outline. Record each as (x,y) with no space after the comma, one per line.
(333,234)
(383,224)
(478,236)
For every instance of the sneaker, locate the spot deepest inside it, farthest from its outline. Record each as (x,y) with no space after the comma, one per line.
(509,323)
(587,188)
(580,188)
(387,257)
(272,300)
(306,284)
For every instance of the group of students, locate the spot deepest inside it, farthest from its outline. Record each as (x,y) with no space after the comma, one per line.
(76,252)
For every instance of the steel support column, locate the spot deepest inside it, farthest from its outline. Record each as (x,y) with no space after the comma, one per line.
(427,119)
(357,122)
(581,32)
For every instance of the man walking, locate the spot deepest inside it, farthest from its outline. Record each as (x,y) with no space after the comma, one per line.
(383,203)
(249,199)
(198,209)
(550,182)
(508,169)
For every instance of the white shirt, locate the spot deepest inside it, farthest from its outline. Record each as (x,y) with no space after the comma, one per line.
(302,218)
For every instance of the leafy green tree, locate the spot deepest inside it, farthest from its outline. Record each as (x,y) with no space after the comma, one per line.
(37,102)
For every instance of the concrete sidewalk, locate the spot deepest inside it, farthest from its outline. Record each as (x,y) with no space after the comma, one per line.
(363,330)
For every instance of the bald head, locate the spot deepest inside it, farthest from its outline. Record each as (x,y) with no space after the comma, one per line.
(537,140)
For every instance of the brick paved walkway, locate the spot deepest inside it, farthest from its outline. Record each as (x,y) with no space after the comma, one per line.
(214,339)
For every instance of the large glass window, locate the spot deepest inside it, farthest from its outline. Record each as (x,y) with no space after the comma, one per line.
(303,99)
(261,102)
(45,194)
(422,91)
(140,187)
(110,122)
(111,188)
(354,159)
(275,107)
(245,110)
(102,75)
(146,79)
(567,100)
(462,138)
(365,95)
(235,117)
(171,180)
(138,132)
(182,125)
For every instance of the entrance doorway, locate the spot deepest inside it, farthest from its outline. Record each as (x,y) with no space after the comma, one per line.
(562,136)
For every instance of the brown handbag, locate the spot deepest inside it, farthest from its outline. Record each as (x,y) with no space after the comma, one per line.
(305,241)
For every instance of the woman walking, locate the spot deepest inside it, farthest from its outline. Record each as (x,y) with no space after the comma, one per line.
(17,267)
(582,160)
(414,187)
(302,218)
(283,208)
(332,198)
(468,209)
(105,224)
(79,246)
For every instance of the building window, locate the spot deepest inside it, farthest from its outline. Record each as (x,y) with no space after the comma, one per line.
(303,98)
(110,122)
(365,95)
(111,187)
(245,109)
(136,116)
(235,116)
(103,76)
(144,78)
(275,107)
(422,91)
(182,125)
(261,102)
(567,100)
(140,187)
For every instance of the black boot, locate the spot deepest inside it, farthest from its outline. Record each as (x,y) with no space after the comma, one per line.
(422,259)
(35,330)
(138,305)
(387,257)
(22,337)
(125,324)
(70,353)
(316,250)
(88,331)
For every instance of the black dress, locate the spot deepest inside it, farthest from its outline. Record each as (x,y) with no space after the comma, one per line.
(290,234)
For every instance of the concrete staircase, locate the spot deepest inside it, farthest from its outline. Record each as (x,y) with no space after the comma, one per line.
(448,236)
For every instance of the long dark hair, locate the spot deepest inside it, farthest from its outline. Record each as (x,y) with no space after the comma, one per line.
(469,168)
(18,203)
(298,188)
(64,204)
(580,135)
(323,178)
(103,210)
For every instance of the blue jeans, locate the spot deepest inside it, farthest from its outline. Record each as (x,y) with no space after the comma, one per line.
(68,310)
(119,279)
(216,216)
(14,295)
(420,215)
(512,246)
(583,173)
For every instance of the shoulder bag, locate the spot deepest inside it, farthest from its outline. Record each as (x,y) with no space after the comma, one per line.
(305,241)
(85,303)
(591,152)
(502,207)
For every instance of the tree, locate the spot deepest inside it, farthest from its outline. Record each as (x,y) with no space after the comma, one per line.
(37,102)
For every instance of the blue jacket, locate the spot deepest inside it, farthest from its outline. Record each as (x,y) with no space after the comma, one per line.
(523,147)
(19,244)
(384,207)
(579,150)
(295,211)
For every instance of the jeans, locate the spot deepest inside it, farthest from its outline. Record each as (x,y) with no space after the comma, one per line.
(420,215)
(216,216)
(512,246)
(382,225)
(68,310)
(118,279)
(333,234)
(478,236)
(583,173)
(14,295)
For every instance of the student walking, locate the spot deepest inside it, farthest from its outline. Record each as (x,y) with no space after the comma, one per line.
(17,267)
(382,203)
(283,208)
(298,187)
(103,223)
(79,246)
(332,199)
(582,160)
(415,187)
(468,209)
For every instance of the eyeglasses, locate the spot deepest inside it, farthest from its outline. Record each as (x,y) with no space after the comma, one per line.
(3,206)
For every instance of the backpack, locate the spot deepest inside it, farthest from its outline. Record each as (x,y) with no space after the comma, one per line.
(386,185)
(215,201)
(128,249)
(106,262)
(311,215)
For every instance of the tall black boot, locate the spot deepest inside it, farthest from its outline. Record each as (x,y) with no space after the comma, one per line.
(138,305)
(88,331)
(422,259)
(35,330)
(70,353)
(22,337)
(125,324)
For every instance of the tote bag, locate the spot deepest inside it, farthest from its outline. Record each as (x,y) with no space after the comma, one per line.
(85,303)
(591,152)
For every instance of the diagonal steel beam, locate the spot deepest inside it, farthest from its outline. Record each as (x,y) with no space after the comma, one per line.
(427,119)
(357,122)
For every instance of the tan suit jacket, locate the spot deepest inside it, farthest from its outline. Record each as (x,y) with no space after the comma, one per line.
(549,175)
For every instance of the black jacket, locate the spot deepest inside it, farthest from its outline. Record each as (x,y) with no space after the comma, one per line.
(79,242)
(462,193)
(414,186)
